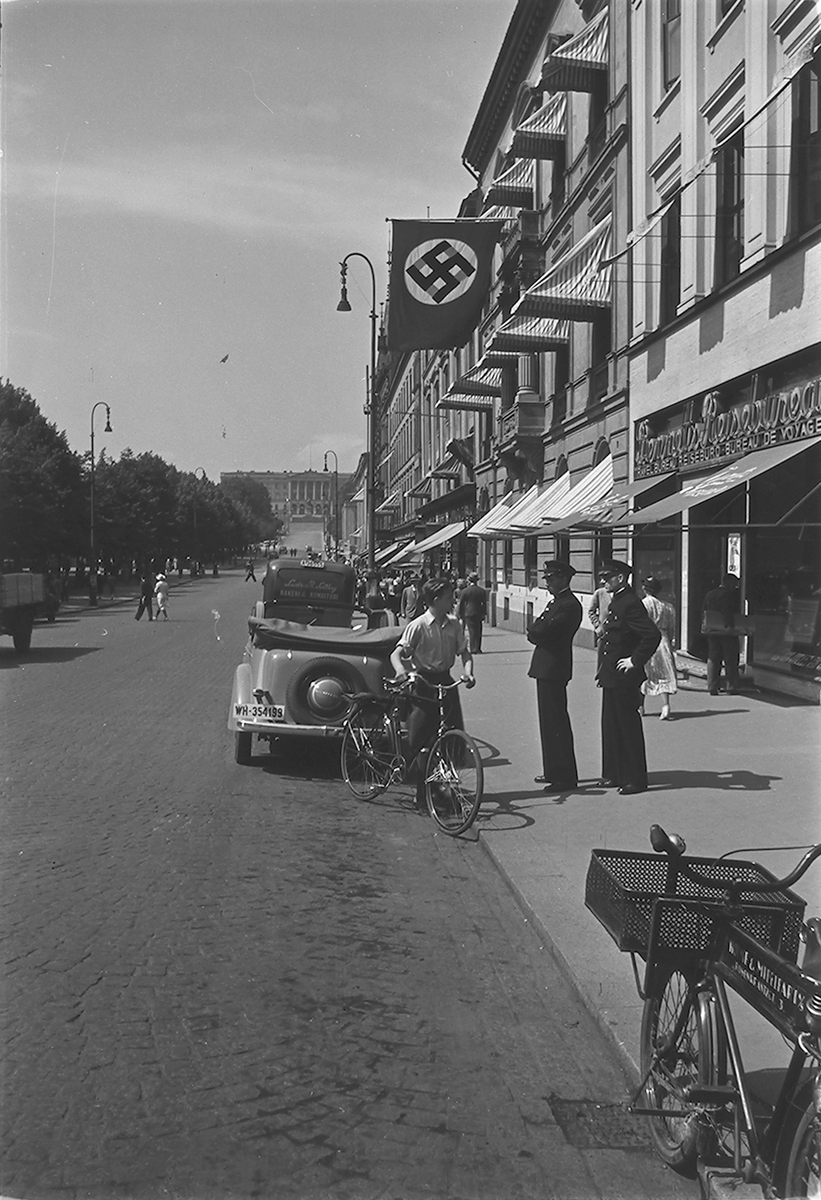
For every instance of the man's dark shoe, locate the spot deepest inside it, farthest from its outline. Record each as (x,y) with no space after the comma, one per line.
(606,782)
(554,788)
(713,691)
(631,789)
(540,779)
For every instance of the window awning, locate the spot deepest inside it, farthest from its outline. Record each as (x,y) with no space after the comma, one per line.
(529,335)
(382,555)
(577,287)
(514,187)
(500,212)
(493,514)
(412,552)
(391,502)
(600,513)
(575,65)
(739,472)
(359,498)
(595,485)
(502,523)
(542,506)
(543,134)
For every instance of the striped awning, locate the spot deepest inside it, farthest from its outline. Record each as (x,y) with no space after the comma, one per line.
(478,386)
(415,550)
(391,502)
(528,335)
(359,498)
(542,506)
(388,551)
(543,134)
(595,485)
(514,187)
(578,286)
(601,513)
(576,64)
(481,527)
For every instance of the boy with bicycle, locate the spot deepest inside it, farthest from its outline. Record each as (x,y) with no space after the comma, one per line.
(428,648)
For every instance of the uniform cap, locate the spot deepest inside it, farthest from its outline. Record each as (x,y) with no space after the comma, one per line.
(615,566)
(554,567)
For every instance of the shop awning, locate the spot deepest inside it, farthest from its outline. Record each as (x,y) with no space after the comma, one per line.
(576,64)
(514,187)
(699,490)
(391,502)
(529,335)
(595,485)
(359,498)
(415,550)
(382,555)
(543,134)
(493,514)
(502,523)
(541,507)
(600,513)
(577,287)
(475,389)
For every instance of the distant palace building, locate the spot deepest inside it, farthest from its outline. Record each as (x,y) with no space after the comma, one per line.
(300,497)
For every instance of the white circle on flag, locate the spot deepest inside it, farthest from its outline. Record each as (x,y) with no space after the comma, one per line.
(440,270)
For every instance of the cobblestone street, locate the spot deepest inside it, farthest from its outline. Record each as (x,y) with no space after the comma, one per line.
(225,981)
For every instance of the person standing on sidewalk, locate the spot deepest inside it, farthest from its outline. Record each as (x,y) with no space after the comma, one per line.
(552,667)
(472,611)
(628,638)
(597,609)
(660,667)
(720,608)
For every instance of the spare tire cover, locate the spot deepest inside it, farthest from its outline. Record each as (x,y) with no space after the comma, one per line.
(318,692)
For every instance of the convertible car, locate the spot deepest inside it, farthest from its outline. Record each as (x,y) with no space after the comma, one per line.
(308,650)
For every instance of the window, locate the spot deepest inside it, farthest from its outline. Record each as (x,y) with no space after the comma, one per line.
(531,562)
(729,209)
(561,379)
(670,262)
(601,343)
(597,116)
(671,41)
(805,161)
(507,561)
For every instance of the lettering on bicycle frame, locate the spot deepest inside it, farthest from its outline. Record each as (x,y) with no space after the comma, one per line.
(767,986)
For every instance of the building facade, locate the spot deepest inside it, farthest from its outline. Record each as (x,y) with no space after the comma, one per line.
(304,501)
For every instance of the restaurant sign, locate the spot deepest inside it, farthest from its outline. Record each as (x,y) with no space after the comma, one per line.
(719,432)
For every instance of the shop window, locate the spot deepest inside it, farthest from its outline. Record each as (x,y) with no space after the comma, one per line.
(671,41)
(670,290)
(531,562)
(729,209)
(507,561)
(805,156)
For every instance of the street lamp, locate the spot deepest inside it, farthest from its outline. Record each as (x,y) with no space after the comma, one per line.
(370,409)
(92,577)
(336,498)
(196,540)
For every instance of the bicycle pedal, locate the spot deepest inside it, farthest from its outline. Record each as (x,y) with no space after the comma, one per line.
(718,1093)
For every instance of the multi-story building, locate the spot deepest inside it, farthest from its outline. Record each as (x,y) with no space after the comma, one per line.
(724,260)
(303,499)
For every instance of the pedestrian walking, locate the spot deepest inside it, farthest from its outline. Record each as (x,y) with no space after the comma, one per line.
(249,571)
(413,604)
(598,606)
(719,611)
(628,638)
(428,647)
(472,611)
(552,667)
(660,667)
(146,596)
(161,592)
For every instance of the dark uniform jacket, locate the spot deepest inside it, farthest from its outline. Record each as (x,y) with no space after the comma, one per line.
(552,634)
(473,601)
(720,608)
(627,631)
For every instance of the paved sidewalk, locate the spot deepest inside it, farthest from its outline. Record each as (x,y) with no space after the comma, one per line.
(727,772)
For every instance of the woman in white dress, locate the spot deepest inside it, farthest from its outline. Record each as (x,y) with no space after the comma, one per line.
(661,668)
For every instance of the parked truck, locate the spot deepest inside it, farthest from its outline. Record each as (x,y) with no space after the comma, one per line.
(21,593)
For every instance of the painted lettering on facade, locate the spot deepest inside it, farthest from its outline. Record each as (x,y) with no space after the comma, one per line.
(785,416)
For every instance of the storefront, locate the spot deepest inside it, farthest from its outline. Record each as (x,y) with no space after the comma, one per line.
(745,498)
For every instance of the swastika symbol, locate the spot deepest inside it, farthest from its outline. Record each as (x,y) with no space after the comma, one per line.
(439,271)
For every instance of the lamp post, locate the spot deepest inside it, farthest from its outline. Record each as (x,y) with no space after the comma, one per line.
(196,539)
(336,498)
(370,409)
(92,577)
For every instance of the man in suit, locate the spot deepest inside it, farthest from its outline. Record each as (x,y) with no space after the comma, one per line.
(552,667)
(412,604)
(472,611)
(720,609)
(627,640)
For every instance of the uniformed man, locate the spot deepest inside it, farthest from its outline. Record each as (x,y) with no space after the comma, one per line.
(552,667)
(627,639)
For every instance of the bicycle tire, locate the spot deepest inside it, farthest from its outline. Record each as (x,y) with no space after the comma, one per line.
(676,1051)
(369,752)
(797,1168)
(454,781)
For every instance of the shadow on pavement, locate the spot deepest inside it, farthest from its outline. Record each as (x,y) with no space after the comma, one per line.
(735,781)
(705,712)
(506,804)
(37,656)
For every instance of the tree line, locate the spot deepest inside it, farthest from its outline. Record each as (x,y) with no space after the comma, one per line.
(145,509)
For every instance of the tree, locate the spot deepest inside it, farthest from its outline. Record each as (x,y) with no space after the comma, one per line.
(42,494)
(256,500)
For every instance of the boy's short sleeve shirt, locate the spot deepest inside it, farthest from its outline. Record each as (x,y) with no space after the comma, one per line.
(433,645)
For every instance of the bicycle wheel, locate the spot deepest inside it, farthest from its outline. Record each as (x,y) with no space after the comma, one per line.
(370,753)
(676,1051)
(797,1169)
(454,780)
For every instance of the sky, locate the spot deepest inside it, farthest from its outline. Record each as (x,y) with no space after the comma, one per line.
(181,179)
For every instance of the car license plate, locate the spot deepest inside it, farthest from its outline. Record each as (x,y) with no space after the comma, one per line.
(259,712)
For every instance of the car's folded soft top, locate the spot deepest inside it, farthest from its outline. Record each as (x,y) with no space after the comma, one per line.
(272,634)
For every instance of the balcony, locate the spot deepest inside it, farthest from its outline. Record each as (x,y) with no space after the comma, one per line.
(521,428)
(524,420)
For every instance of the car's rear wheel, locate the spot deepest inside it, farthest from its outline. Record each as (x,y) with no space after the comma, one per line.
(243,751)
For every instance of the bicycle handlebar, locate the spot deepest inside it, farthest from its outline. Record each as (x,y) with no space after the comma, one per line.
(674,846)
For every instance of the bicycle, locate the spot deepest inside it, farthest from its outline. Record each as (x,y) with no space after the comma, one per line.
(373,760)
(703,926)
